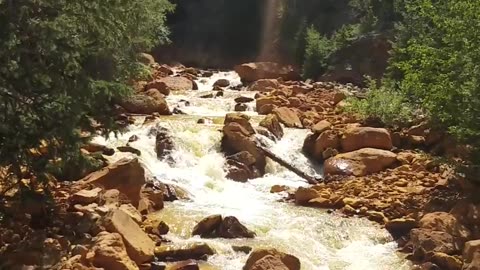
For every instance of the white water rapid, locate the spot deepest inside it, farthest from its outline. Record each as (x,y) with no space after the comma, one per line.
(320,240)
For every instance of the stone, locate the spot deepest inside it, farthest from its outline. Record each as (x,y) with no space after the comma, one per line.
(222,83)
(360,162)
(184,265)
(158,85)
(163,142)
(268,262)
(250,72)
(129,149)
(230,227)
(125,175)
(240,118)
(278,189)
(424,241)
(143,104)
(321,126)
(139,246)
(266,105)
(111,197)
(444,222)
(365,137)
(207,226)
(271,123)
(132,212)
(289,262)
(109,252)
(339,97)
(176,84)
(446,262)
(326,140)
(304,195)
(471,255)
(401,226)
(186,251)
(243,157)
(85,196)
(155,225)
(243,99)
(240,107)
(288,117)
(264,85)
(237,139)
(154,195)
(239,172)
(95,147)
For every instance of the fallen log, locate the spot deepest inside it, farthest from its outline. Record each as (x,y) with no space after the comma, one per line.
(310,179)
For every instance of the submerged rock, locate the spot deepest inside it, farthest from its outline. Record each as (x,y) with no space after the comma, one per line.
(216,226)
(222,83)
(178,252)
(207,226)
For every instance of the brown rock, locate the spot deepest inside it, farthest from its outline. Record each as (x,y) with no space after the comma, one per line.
(360,162)
(163,142)
(207,226)
(240,107)
(158,85)
(289,261)
(278,189)
(471,255)
(268,262)
(230,227)
(288,117)
(327,140)
(126,175)
(240,118)
(338,97)
(444,222)
(237,139)
(271,123)
(446,262)
(401,226)
(321,126)
(243,99)
(304,195)
(222,83)
(95,147)
(187,251)
(143,104)
(266,105)
(155,196)
(176,84)
(366,137)
(85,196)
(146,58)
(109,252)
(264,85)
(425,241)
(184,265)
(266,70)
(155,225)
(139,245)
(132,212)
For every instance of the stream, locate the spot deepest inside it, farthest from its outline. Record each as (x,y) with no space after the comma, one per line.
(319,239)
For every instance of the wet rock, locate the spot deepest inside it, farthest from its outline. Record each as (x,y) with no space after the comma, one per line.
(143,104)
(271,123)
(266,105)
(207,226)
(154,196)
(126,175)
(244,249)
(264,85)
(288,117)
(158,266)
(471,255)
(230,227)
(243,99)
(129,149)
(138,245)
(163,143)
(401,226)
(266,70)
(424,241)
(326,140)
(186,251)
(185,265)
(360,162)
(278,189)
(243,157)
(210,95)
(133,138)
(365,137)
(240,118)
(240,107)
(304,195)
(154,225)
(222,83)
(321,126)
(155,94)
(85,196)
(266,133)
(166,70)
(444,222)
(95,147)
(109,252)
(254,261)
(239,172)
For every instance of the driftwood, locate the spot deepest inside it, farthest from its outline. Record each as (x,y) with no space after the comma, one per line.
(310,179)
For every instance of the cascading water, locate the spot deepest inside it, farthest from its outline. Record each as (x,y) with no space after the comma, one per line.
(320,240)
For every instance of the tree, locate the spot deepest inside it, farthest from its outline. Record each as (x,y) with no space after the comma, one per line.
(63,63)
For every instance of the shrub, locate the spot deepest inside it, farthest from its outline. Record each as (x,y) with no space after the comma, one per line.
(318,49)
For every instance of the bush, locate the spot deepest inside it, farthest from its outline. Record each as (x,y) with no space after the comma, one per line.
(318,49)
(382,103)
(63,62)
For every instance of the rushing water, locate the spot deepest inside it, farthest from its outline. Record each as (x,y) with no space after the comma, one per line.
(320,240)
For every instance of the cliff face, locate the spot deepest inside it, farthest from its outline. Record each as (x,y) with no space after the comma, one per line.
(221,33)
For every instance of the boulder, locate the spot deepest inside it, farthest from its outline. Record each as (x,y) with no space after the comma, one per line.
(447,262)
(230,227)
(243,157)
(365,137)
(95,147)
(327,140)
(240,107)
(163,143)
(109,252)
(269,262)
(143,104)
(265,105)
(207,226)
(266,70)
(129,149)
(424,241)
(184,265)
(139,246)
(471,255)
(289,261)
(159,85)
(132,212)
(271,123)
(360,162)
(288,117)
(176,84)
(401,226)
(222,83)
(126,175)
(153,195)
(264,85)
(154,225)
(321,126)
(444,222)
(85,196)
(237,139)
(243,99)
(239,172)
(186,251)
(304,195)
(240,118)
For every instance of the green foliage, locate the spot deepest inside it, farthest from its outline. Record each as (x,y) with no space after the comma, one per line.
(318,49)
(382,103)
(63,62)
(436,62)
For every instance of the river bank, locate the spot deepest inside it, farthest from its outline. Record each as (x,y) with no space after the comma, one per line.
(182,174)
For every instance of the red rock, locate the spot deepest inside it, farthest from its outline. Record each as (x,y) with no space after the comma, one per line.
(365,137)
(360,162)
(266,70)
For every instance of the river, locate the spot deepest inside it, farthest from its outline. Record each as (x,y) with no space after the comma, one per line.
(319,239)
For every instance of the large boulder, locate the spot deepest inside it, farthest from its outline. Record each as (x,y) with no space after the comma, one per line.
(326,140)
(207,226)
(143,104)
(126,175)
(109,252)
(240,118)
(471,255)
(321,126)
(425,241)
(269,262)
(230,227)
(187,251)
(365,137)
(170,84)
(266,70)
(163,143)
(264,85)
(444,222)
(271,123)
(288,261)
(240,172)
(288,117)
(237,139)
(265,105)
(360,162)
(139,246)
